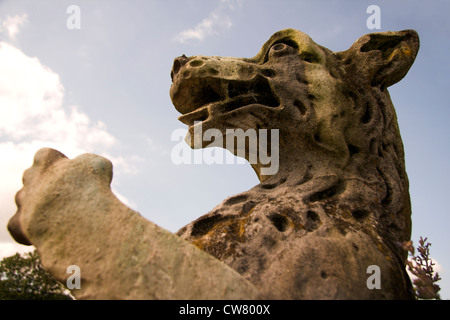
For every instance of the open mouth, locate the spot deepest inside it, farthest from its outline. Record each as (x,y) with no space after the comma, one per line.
(223,96)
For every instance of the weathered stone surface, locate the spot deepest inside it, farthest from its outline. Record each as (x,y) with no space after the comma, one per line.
(340,201)
(67,210)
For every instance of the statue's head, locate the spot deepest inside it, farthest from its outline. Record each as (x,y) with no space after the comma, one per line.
(331,110)
(320,101)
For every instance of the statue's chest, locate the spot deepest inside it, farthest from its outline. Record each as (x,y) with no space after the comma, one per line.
(252,225)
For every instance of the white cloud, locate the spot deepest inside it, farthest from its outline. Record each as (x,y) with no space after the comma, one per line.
(31,107)
(212,25)
(33,116)
(12,24)
(8,249)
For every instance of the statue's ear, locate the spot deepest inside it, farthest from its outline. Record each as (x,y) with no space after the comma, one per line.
(383,58)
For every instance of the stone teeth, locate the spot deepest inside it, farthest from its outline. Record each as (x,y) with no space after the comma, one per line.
(198,115)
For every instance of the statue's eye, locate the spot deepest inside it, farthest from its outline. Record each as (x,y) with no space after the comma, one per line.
(281,49)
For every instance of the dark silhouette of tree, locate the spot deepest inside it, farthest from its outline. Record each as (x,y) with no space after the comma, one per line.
(24,278)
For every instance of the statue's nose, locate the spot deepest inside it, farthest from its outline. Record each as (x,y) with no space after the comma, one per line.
(178,64)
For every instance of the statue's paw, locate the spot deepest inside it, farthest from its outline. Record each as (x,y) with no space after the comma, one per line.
(52,184)
(43,160)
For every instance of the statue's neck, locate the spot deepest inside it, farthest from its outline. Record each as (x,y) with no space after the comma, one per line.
(287,168)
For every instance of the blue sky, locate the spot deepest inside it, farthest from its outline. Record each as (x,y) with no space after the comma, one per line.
(104,89)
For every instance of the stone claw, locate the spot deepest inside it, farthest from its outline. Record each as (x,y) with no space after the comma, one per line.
(16,231)
(45,157)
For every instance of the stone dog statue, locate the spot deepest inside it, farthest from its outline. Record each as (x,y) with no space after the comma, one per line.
(337,205)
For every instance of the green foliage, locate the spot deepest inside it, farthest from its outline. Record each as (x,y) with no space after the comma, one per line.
(421,267)
(23,278)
